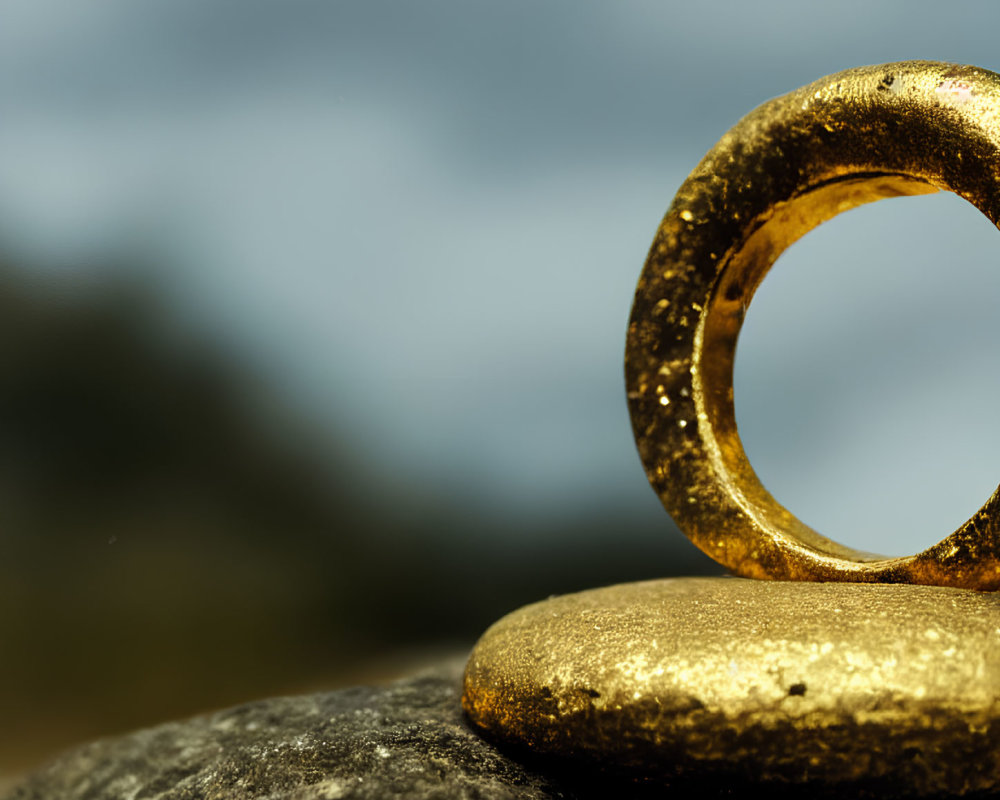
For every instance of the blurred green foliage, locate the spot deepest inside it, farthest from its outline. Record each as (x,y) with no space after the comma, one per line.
(175,539)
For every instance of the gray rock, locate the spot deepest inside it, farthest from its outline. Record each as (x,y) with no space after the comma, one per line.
(406,740)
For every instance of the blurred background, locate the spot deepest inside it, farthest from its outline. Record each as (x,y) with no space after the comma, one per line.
(312,322)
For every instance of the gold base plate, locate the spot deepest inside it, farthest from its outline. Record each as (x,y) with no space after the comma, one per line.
(892,686)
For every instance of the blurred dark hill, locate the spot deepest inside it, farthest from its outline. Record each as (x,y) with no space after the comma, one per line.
(175,539)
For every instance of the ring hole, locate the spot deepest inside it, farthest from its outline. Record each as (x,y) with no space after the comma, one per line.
(868,374)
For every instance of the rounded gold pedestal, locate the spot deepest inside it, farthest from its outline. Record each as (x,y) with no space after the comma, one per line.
(889,686)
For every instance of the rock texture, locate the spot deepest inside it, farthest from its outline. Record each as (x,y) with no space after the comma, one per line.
(406,740)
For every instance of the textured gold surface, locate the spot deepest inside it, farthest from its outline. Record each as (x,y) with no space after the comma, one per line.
(886,687)
(848,139)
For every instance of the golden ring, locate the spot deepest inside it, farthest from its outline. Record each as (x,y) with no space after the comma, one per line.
(851,138)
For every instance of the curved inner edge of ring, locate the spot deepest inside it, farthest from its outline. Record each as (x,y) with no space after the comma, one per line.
(746,267)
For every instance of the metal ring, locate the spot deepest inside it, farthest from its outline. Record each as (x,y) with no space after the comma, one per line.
(851,138)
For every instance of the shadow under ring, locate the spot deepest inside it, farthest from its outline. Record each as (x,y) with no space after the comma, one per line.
(848,139)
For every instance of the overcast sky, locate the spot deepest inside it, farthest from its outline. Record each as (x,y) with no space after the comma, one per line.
(424,221)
